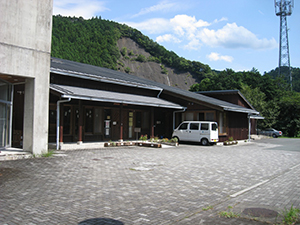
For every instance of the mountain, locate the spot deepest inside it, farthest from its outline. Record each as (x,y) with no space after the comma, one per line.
(112,45)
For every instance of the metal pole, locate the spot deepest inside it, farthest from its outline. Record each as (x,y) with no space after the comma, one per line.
(10,116)
(249,128)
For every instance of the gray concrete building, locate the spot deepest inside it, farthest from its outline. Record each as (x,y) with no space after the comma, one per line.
(25,46)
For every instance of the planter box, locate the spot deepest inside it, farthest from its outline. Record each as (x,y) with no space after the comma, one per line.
(148,144)
(170,143)
(230,143)
(145,144)
(116,144)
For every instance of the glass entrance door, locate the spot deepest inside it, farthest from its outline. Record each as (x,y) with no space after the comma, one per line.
(3,125)
(5,115)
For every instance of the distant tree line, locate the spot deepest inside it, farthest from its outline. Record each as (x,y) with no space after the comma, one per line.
(94,41)
(270,94)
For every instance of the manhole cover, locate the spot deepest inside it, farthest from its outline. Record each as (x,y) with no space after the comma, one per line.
(260,212)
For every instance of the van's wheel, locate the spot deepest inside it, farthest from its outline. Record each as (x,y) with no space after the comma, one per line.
(204,141)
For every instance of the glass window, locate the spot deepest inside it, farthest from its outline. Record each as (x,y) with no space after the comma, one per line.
(3,124)
(52,120)
(210,116)
(89,120)
(204,126)
(130,124)
(5,91)
(189,116)
(67,120)
(183,126)
(146,119)
(138,119)
(201,117)
(194,126)
(222,123)
(98,120)
(214,126)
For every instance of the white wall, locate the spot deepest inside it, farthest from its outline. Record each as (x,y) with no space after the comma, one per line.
(25,45)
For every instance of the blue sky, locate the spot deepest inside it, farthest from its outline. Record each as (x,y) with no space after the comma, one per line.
(236,34)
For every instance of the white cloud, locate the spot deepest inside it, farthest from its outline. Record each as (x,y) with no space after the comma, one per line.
(220,20)
(195,33)
(233,36)
(179,25)
(217,57)
(153,26)
(86,9)
(184,24)
(194,44)
(167,38)
(162,6)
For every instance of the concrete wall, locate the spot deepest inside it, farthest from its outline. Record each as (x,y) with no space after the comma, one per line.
(25,45)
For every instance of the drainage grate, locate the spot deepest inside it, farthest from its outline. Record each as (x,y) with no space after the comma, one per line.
(260,212)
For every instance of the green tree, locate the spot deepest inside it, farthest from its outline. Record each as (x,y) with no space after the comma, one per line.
(289,117)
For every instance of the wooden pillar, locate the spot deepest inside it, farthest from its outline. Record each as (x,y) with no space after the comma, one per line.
(152,122)
(80,123)
(121,122)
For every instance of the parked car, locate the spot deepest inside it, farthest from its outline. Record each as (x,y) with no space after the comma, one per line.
(197,131)
(270,132)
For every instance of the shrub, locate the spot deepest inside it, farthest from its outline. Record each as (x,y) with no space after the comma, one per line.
(141,58)
(124,51)
(127,69)
(144,137)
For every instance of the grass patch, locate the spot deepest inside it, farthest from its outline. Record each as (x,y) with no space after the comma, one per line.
(229,214)
(290,216)
(207,208)
(48,154)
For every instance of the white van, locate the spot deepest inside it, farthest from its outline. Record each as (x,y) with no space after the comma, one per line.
(197,131)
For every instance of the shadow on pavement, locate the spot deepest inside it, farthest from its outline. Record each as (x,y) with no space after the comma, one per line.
(101,221)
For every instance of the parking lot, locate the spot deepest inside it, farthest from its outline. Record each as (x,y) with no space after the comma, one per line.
(188,184)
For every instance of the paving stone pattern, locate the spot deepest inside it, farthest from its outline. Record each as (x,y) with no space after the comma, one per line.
(132,185)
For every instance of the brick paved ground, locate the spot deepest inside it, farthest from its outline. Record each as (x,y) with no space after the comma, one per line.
(138,185)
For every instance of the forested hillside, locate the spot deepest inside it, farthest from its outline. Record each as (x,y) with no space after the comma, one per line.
(105,43)
(94,41)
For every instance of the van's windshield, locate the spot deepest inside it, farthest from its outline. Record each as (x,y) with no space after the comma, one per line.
(183,126)
(214,126)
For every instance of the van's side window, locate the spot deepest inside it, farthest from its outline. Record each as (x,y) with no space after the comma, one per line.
(204,126)
(214,126)
(194,126)
(183,126)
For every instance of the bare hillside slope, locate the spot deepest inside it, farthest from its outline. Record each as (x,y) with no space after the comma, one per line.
(149,69)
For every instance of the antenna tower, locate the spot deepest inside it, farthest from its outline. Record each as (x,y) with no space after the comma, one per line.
(283,8)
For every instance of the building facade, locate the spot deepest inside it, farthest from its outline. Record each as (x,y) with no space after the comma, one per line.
(25,44)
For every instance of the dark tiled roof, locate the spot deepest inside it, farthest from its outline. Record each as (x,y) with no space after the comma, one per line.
(70,68)
(109,96)
(226,92)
